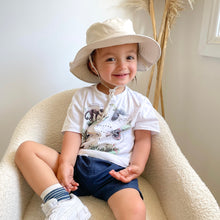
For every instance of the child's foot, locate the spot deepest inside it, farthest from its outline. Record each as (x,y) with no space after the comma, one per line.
(65,209)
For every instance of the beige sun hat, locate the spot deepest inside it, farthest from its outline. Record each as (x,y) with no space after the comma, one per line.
(113,32)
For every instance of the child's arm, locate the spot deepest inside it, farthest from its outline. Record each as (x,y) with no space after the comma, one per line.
(67,159)
(140,154)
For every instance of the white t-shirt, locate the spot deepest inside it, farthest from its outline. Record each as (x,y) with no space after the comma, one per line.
(112,138)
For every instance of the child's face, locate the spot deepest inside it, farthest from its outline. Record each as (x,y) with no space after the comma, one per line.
(117,65)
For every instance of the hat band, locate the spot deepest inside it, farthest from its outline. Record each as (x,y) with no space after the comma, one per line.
(95,39)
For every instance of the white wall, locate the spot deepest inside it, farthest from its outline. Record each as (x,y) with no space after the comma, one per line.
(39,38)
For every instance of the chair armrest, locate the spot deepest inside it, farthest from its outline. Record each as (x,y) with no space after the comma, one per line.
(42,123)
(14,191)
(182,193)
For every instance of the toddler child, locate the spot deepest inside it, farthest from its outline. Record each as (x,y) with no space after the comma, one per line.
(106,133)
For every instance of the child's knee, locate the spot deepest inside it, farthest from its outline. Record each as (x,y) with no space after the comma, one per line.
(138,208)
(22,151)
(135,211)
(127,204)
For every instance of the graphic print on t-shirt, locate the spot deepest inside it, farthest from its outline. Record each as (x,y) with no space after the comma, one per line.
(103,135)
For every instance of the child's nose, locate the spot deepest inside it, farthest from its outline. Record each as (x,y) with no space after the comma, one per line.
(121,64)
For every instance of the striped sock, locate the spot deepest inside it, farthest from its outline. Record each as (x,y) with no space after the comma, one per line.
(55,191)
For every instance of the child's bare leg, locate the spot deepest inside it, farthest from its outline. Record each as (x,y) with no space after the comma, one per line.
(38,164)
(127,204)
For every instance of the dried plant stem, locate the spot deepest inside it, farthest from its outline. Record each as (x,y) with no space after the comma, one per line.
(153,20)
(161,103)
(158,91)
(164,18)
(161,66)
(161,92)
(150,80)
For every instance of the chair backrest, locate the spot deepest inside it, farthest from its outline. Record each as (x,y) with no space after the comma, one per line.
(43,122)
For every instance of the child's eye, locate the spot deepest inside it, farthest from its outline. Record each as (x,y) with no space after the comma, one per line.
(111,59)
(130,57)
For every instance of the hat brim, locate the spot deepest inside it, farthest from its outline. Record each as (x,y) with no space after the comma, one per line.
(149,53)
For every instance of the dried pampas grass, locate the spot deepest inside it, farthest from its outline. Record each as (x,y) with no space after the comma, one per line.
(172,9)
(137,4)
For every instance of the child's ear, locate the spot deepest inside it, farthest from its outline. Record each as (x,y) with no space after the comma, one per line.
(91,68)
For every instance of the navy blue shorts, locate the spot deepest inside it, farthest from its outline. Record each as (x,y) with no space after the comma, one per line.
(94,179)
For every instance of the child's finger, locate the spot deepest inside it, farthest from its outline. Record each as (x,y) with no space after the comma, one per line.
(115,174)
(119,176)
(124,172)
(74,183)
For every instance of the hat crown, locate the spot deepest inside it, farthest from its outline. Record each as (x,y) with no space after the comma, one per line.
(109,29)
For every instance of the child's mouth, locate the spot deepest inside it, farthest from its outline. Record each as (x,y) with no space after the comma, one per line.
(121,75)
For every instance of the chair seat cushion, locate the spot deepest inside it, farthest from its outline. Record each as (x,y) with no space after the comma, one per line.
(100,210)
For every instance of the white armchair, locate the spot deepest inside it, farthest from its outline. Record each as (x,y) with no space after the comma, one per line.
(172,190)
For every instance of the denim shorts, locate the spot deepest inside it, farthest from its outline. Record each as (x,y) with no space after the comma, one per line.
(94,179)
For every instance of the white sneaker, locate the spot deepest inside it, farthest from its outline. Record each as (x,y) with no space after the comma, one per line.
(72,209)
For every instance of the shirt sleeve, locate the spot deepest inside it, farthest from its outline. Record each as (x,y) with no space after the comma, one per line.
(74,118)
(147,119)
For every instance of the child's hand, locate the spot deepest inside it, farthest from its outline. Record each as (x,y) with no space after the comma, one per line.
(126,175)
(65,177)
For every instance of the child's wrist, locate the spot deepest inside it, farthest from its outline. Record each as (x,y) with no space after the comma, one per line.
(137,166)
(65,161)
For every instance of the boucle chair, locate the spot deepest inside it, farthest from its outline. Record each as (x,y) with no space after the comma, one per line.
(171,188)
